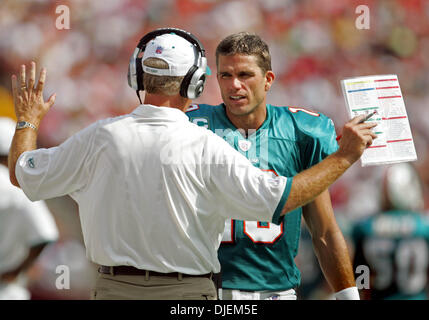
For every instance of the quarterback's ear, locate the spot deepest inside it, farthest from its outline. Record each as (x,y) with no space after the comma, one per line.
(269,79)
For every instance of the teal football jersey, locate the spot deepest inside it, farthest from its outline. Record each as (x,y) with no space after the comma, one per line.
(258,255)
(395,247)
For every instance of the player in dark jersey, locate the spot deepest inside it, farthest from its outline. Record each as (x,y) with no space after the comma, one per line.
(258,258)
(394,244)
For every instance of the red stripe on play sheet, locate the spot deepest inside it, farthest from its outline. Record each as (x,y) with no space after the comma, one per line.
(385,80)
(393,118)
(390,141)
(389,97)
(382,146)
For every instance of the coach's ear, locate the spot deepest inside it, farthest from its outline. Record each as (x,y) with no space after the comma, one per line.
(269,79)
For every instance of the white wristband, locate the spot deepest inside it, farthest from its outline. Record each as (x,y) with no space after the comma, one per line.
(351,293)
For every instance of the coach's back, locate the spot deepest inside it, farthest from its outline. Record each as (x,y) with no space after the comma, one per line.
(151,188)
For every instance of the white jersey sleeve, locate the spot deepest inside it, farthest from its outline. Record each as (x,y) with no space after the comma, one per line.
(23,224)
(40,225)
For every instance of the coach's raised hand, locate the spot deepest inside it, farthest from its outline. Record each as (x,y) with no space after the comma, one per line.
(30,108)
(28,100)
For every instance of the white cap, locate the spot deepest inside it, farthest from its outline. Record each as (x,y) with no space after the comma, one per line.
(178,52)
(7,130)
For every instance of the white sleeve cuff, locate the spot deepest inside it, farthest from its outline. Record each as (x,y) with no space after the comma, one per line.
(351,293)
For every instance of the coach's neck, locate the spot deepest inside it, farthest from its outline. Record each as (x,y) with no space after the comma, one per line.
(176,101)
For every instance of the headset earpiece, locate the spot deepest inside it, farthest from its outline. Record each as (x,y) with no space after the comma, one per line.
(139,74)
(132,70)
(193,83)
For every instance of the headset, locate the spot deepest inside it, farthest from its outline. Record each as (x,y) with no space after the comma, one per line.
(192,85)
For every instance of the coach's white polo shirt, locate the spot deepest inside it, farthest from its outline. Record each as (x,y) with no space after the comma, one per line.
(153,189)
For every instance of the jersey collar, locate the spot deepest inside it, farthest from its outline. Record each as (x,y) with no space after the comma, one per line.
(164,113)
(231,126)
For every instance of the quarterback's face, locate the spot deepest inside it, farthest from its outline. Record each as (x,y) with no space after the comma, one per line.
(242,83)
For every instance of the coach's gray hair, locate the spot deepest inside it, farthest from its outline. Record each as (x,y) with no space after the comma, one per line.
(164,85)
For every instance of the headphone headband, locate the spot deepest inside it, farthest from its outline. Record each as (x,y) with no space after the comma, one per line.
(182,33)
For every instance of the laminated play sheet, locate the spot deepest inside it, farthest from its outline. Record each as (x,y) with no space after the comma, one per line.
(381,94)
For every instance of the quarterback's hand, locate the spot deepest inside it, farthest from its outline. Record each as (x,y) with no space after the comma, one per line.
(356,137)
(28,100)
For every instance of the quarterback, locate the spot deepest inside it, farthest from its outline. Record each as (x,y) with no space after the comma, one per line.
(257,258)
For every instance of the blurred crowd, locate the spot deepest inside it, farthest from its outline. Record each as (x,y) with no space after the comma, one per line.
(314,45)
